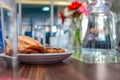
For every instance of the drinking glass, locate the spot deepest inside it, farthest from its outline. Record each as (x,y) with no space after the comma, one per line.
(38,33)
(8,40)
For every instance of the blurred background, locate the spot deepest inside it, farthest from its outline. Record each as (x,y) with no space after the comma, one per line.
(46,13)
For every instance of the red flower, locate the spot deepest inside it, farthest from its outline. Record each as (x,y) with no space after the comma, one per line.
(74,5)
(62,17)
(83,10)
(75,9)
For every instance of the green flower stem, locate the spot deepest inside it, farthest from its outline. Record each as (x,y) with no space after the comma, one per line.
(77,31)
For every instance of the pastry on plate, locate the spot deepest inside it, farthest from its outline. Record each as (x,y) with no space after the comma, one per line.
(8,49)
(55,50)
(28,44)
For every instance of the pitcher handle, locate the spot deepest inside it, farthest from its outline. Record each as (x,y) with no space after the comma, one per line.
(113,17)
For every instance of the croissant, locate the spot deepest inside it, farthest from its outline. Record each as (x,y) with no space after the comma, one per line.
(29,45)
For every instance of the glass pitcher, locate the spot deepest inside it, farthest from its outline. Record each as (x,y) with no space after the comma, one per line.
(100,38)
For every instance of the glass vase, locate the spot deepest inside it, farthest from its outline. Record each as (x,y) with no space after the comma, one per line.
(77,24)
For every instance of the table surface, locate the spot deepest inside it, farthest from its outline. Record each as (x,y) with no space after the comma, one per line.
(71,69)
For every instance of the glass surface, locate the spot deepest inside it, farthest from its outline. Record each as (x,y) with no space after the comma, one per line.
(100,38)
(102,58)
(8,40)
(63,39)
(38,34)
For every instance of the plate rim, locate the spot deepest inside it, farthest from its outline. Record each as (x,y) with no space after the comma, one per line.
(47,54)
(41,58)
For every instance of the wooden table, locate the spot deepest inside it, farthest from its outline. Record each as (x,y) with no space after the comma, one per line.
(70,69)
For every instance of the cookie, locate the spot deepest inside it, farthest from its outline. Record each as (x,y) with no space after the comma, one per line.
(8,49)
(55,50)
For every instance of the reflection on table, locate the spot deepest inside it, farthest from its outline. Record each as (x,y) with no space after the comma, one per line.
(96,59)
